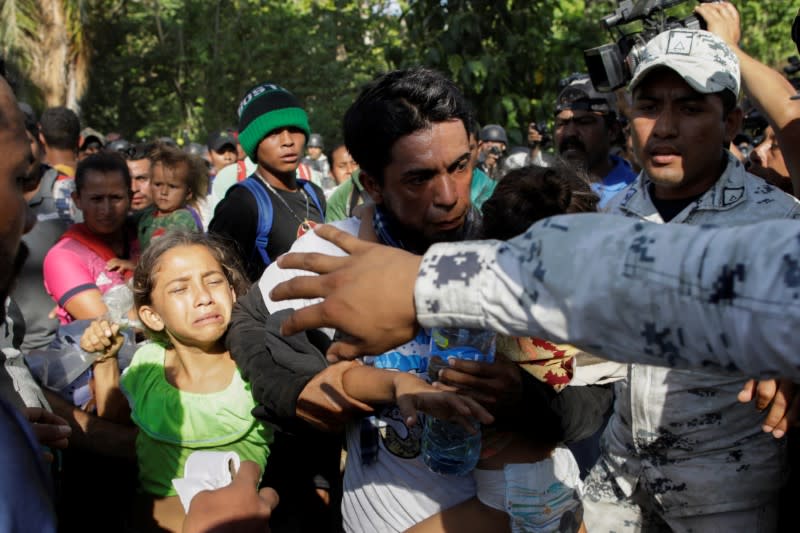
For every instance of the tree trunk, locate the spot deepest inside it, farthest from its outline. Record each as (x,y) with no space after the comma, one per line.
(50,66)
(71,100)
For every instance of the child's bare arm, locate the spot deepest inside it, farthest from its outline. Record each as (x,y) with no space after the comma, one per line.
(104,337)
(411,394)
(369,384)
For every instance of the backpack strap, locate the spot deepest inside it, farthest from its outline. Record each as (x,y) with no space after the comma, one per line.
(357,197)
(241,172)
(43,203)
(354,196)
(196,216)
(80,233)
(313,195)
(48,180)
(265,214)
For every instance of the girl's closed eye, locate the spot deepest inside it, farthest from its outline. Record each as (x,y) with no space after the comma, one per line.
(178,272)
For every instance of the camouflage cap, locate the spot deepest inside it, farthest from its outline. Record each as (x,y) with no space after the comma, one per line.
(701,58)
(87,134)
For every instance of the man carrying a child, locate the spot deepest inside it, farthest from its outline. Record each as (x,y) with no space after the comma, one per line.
(408,132)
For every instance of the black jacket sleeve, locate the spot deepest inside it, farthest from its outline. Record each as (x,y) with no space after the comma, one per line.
(548,417)
(582,409)
(277,367)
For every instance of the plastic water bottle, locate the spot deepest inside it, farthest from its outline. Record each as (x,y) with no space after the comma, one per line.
(448,448)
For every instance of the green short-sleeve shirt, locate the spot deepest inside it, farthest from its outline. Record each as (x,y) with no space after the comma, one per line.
(153,224)
(174,423)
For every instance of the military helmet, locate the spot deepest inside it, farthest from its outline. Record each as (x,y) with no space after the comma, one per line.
(315,141)
(493,132)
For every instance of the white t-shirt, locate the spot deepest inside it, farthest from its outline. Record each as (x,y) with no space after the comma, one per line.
(226,178)
(397,490)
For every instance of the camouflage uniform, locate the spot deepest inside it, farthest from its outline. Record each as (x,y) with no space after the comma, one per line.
(680,438)
(680,452)
(602,282)
(679,441)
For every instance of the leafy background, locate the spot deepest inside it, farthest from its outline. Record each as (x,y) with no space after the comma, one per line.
(148,68)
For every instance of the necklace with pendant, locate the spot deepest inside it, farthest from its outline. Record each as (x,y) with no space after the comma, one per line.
(306,224)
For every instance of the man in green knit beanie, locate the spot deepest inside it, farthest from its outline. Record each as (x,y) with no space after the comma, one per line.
(273,130)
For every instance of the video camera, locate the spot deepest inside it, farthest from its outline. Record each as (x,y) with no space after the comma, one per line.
(611,66)
(546,138)
(792,71)
(752,131)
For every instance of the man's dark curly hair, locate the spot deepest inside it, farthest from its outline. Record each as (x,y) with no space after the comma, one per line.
(397,104)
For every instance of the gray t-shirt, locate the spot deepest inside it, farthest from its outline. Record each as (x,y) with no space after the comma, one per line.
(29,293)
(17,385)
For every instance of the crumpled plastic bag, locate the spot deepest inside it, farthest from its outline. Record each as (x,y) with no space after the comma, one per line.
(64,361)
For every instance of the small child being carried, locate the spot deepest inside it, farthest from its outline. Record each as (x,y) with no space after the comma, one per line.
(179,183)
(538,480)
(525,481)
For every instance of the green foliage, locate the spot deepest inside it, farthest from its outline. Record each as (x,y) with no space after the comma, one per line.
(766,30)
(46,48)
(179,67)
(507,55)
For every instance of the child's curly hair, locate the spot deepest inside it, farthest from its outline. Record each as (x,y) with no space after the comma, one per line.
(173,158)
(143,276)
(529,194)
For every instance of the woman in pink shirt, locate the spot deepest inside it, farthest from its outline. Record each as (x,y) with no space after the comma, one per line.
(99,253)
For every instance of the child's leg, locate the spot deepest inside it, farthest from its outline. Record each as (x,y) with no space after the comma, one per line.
(470,516)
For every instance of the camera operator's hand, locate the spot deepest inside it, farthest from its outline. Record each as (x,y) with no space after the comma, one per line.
(722,19)
(534,135)
(770,91)
(492,156)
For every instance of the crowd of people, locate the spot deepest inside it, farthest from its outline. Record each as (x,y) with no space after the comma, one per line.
(642,274)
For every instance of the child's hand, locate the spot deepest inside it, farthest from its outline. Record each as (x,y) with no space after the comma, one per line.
(102,337)
(120,264)
(498,384)
(412,394)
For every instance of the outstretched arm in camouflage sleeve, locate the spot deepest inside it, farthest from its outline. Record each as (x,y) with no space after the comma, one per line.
(630,291)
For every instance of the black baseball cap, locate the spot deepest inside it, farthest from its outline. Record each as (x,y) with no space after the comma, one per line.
(578,93)
(219,139)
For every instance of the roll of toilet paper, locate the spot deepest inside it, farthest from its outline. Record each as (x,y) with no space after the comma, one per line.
(205,470)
